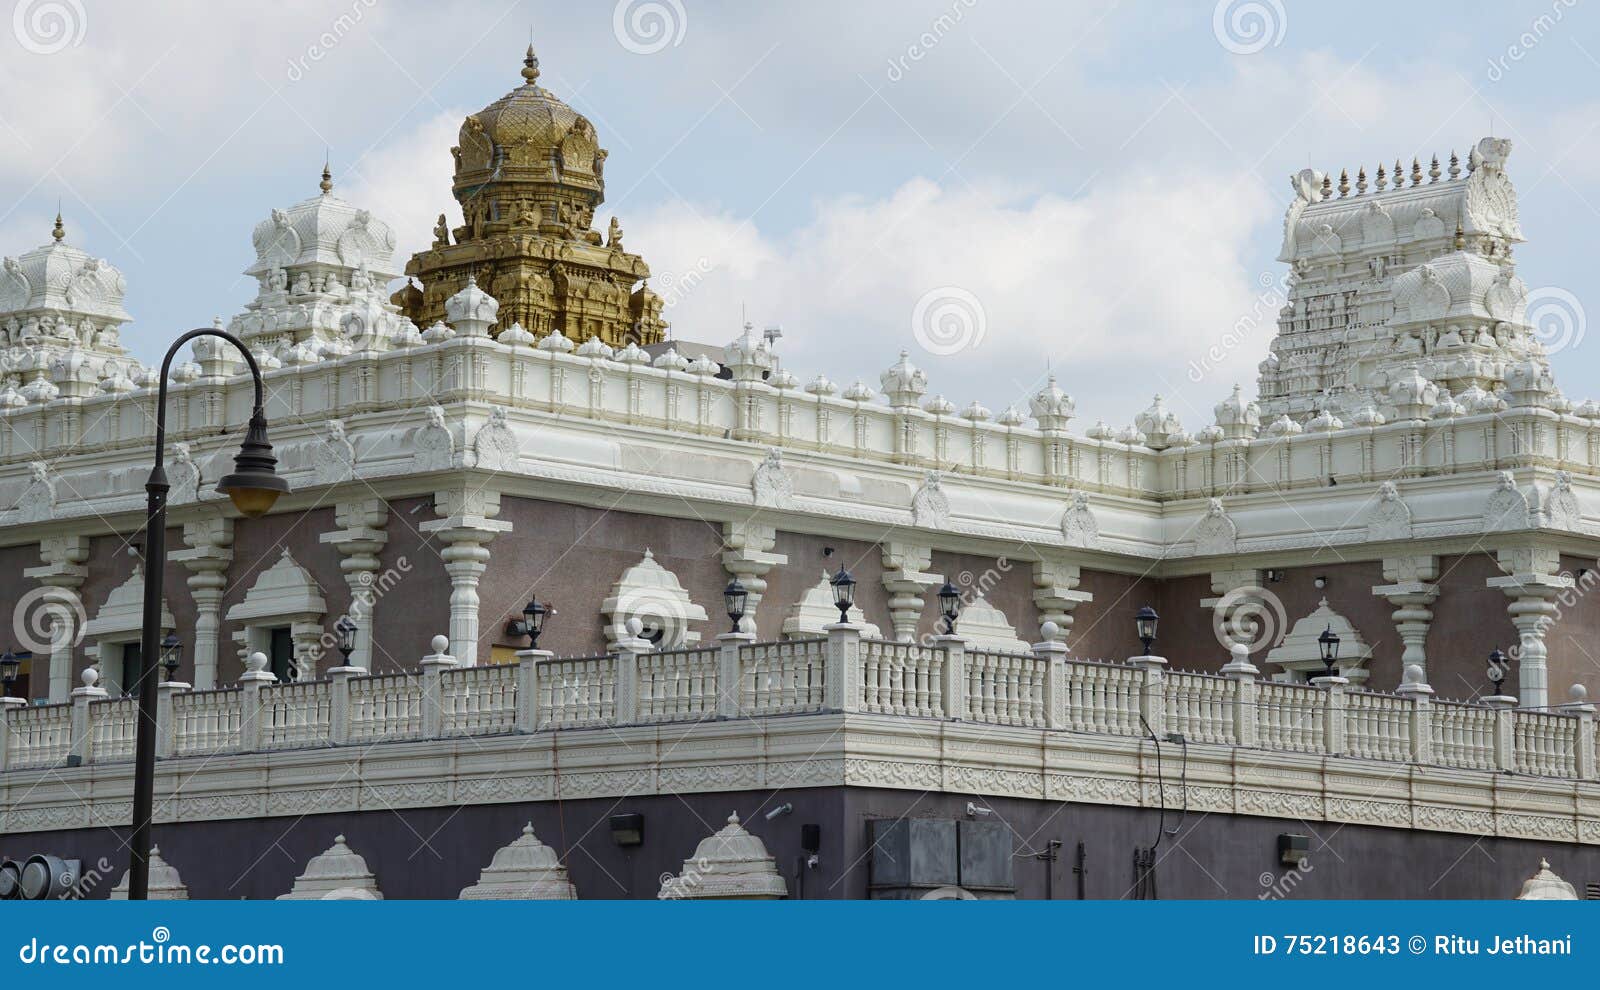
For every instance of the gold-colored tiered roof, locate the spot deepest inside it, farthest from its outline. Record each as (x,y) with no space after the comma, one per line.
(529,173)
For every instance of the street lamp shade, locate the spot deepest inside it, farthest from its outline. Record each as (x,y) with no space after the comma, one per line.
(949,606)
(1144,622)
(1328,643)
(254,485)
(171,653)
(533,616)
(734,596)
(844,593)
(346,628)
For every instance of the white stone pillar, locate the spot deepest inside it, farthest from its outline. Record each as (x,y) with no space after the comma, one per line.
(1412,594)
(842,676)
(166,721)
(1578,705)
(255,677)
(1413,685)
(81,748)
(904,579)
(954,684)
(60,612)
(1053,652)
(433,665)
(359,539)
(466,529)
(746,554)
(1532,582)
(1152,692)
(730,673)
(529,664)
(629,650)
(1246,726)
(8,705)
(1333,713)
(210,543)
(1238,598)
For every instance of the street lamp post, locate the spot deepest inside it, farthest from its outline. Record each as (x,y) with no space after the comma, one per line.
(253,487)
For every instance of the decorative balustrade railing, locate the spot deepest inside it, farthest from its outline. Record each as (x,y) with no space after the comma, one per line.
(739,678)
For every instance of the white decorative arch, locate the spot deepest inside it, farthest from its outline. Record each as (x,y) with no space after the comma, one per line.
(1300,655)
(339,874)
(653,595)
(284,594)
(985,627)
(119,624)
(809,617)
(525,870)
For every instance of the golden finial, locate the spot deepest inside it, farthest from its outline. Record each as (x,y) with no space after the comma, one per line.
(60,232)
(1361,180)
(326,185)
(1433,171)
(1383,181)
(1327,186)
(1461,237)
(1416,172)
(530,66)
(1455,165)
(1344,183)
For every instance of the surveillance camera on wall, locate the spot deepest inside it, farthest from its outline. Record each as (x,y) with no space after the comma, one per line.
(978,811)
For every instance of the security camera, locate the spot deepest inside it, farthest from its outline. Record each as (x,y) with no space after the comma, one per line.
(779,811)
(977,811)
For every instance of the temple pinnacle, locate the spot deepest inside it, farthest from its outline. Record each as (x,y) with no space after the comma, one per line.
(530,66)
(60,232)
(326,185)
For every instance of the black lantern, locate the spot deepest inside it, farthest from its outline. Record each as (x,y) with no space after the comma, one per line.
(10,670)
(346,628)
(171,653)
(533,616)
(844,593)
(1328,643)
(1144,622)
(734,596)
(1499,666)
(254,484)
(949,606)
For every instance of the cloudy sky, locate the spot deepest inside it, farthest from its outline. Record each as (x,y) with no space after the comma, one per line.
(1001,187)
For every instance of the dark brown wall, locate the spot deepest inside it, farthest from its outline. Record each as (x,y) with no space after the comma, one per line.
(1469,620)
(435,852)
(1573,638)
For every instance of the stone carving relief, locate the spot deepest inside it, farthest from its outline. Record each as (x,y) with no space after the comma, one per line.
(38,499)
(183,475)
(1215,533)
(1390,517)
(432,446)
(333,459)
(1078,525)
(1506,508)
(771,484)
(495,445)
(930,506)
(1561,505)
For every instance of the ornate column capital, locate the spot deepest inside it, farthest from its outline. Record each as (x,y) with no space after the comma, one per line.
(746,554)
(904,580)
(1054,593)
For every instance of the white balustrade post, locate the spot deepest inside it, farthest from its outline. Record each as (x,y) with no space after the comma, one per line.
(1152,692)
(528,664)
(1333,713)
(1246,727)
(953,688)
(9,706)
(629,649)
(255,677)
(1583,759)
(1505,730)
(842,675)
(339,702)
(1413,686)
(166,718)
(433,665)
(1053,652)
(729,672)
(82,742)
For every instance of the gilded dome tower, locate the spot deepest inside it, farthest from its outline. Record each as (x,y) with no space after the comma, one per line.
(529,173)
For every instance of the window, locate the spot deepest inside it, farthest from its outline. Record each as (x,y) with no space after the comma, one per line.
(132,667)
(280,654)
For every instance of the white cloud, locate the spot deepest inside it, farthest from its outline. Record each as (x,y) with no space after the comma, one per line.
(406,183)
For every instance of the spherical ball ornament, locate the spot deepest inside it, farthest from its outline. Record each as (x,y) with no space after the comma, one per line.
(1413,673)
(256,662)
(635,626)
(440,644)
(1578,694)
(1240,652)
(1049,630)
(90,677)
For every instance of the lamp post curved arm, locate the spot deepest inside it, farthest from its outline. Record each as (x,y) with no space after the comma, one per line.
(253,486)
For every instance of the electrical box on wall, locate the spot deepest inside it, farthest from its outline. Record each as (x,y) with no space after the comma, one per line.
(911,856)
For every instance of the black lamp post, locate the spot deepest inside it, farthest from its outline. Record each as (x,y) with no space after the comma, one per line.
(734,596)
(1328,643)
(949,606)
(171,653)
(1499,666)
(844,593)
(346,628)
(253,486)
(10,670)
(1144,622)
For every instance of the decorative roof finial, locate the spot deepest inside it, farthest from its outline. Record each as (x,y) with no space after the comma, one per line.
(530,66)
(60,232)
(1433,171)
(1344,183)
(326,185)
(1455,165)
(1461,237)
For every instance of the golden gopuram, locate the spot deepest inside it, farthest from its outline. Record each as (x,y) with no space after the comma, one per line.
(529,173)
